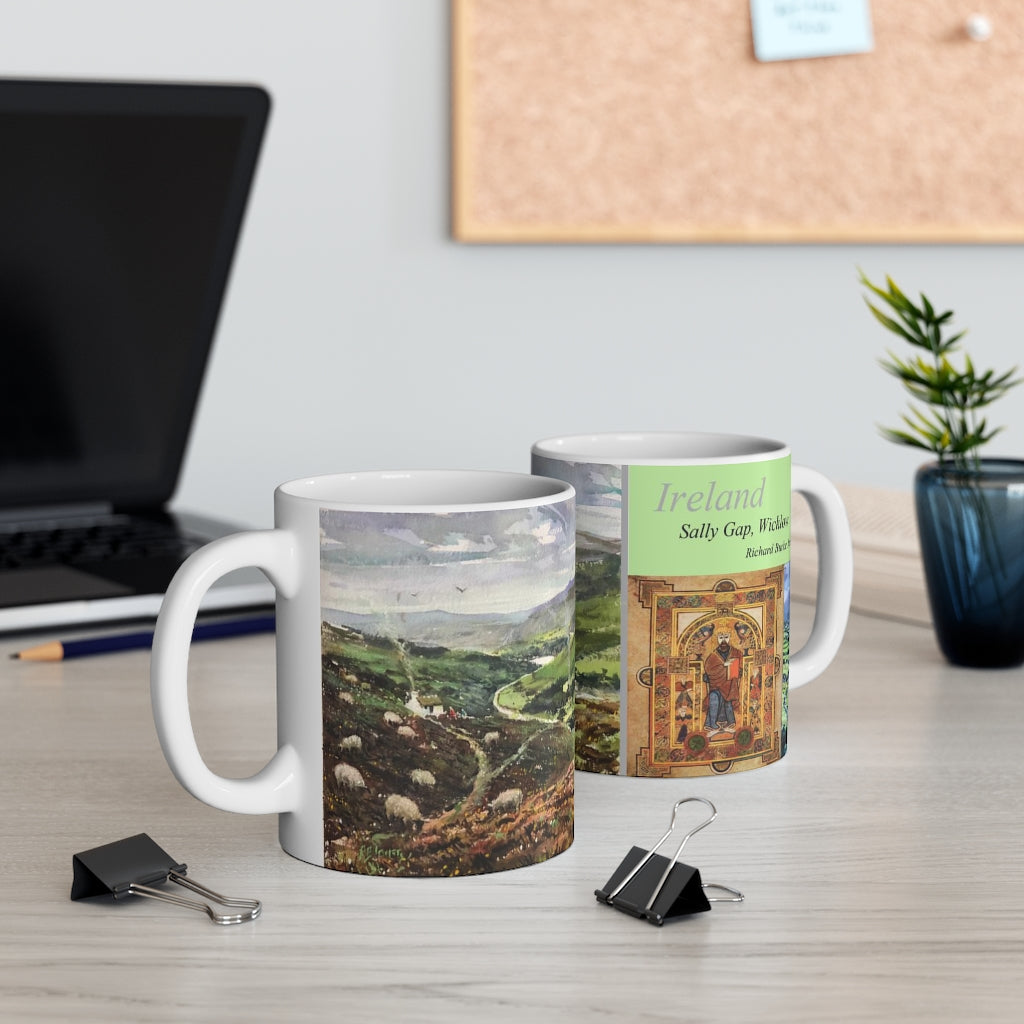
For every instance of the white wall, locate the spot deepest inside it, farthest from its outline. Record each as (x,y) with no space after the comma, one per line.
(357,335)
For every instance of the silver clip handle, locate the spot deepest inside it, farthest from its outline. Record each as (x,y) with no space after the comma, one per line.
(679,849)
(735,896)
(253,908)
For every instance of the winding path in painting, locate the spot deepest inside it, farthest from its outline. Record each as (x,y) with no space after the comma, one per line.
(486,772)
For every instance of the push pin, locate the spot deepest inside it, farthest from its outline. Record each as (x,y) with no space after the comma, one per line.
(978,28)
(648,885)
(132,866)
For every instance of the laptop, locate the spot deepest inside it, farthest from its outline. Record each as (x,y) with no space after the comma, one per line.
(120,209)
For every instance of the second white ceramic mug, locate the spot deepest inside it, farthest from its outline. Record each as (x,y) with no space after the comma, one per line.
(682,659)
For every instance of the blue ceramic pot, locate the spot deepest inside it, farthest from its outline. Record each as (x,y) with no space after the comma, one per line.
(971,524)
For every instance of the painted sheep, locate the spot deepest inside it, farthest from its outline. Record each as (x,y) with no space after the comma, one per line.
(402,807)
(407,731)
(351,743)
(349,777)
(491,737)
(507,800)
(421,777)
(391,718)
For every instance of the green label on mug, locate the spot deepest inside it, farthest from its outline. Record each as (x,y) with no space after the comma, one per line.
(692,520)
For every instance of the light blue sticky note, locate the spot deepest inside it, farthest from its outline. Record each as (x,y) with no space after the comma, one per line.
(791,29)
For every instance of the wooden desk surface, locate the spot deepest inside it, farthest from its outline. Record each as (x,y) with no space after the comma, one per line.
(882,862)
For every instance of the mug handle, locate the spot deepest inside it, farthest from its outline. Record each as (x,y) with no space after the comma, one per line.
(276,787)
(835,576)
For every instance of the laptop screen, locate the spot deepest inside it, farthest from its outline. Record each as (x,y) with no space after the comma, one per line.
(120,206)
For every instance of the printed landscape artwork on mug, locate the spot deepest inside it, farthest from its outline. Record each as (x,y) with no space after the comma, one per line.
(598,576)
(446,648)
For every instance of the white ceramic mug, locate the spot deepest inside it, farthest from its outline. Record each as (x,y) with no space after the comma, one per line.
(682,597)
(424,696)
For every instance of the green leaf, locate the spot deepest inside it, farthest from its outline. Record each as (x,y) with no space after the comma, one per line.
(893,326)
(897,299)
(900,437)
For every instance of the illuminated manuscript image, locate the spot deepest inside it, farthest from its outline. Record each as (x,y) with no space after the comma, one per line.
(708,660)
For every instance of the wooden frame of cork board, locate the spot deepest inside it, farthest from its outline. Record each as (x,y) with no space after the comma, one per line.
(652,121)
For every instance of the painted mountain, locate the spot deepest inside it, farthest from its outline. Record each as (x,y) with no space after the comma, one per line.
(446,647)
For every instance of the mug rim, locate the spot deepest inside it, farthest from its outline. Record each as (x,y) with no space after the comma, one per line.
(424,490)
(660,447)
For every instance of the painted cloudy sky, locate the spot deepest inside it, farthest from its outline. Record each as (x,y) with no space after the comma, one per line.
(598,493)
(497,562)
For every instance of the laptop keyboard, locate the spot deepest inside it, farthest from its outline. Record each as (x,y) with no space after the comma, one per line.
(102,540)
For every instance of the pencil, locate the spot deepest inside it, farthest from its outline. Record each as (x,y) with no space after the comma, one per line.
(61,651)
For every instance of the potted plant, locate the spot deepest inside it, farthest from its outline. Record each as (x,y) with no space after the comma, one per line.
(970,509)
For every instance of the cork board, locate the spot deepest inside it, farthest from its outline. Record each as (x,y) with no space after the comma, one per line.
(652,121)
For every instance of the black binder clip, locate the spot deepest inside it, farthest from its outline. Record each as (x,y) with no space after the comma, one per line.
(132,866)
(649,885)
